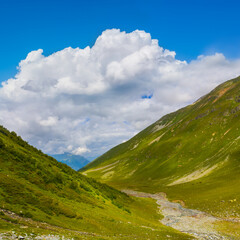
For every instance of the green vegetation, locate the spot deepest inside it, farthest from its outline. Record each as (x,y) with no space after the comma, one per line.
(192,154)
(49,197)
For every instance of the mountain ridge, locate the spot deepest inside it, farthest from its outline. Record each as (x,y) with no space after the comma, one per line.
(191,154)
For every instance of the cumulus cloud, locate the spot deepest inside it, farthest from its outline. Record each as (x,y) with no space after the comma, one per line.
(80,150)
(87,100)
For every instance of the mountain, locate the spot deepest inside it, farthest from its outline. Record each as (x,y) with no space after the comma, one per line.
(39,195)
(193,155)
(74,161)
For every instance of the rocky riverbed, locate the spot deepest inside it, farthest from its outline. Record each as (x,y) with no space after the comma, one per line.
(13,235)
(196,223)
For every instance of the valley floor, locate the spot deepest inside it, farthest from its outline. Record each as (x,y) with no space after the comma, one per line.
(173,215)
(13,226)
(194,222)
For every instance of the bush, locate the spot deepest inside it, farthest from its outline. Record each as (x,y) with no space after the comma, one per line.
(26,215)
(73,185)
(59,177)
(2,145)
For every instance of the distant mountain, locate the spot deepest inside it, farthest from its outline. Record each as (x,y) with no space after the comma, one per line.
(74,161)
(192,154)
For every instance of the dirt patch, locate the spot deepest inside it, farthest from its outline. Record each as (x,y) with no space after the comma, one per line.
(100,168)
(159,127)
(135,146)
(131,173)
(221,93)
(226,131)
(181,202)
(156,139)
(107,169)
(107,175)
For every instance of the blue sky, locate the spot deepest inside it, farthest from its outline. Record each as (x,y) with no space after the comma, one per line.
(189,27)
(87,100)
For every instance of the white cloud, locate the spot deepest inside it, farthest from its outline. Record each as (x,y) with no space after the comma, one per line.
(88,100)
(50,121)
(80,150)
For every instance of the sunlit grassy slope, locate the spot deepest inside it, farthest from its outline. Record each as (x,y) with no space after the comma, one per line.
(36,186)
(192,154)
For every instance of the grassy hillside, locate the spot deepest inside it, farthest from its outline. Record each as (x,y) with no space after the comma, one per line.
(192,154)
(40,195)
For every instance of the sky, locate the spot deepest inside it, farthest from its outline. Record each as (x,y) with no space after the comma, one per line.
(189,27)
(83,76)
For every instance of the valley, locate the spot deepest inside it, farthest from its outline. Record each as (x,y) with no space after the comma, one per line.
(192,155)
(120,120)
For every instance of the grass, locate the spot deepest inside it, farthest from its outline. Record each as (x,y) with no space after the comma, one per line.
(230,229)
(37,187)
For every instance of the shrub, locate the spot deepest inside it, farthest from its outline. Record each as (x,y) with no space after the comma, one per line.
(2,145)
(73,185)
(59,177)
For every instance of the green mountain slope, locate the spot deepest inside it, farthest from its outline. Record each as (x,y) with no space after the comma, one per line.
(192,154)
(37,193)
